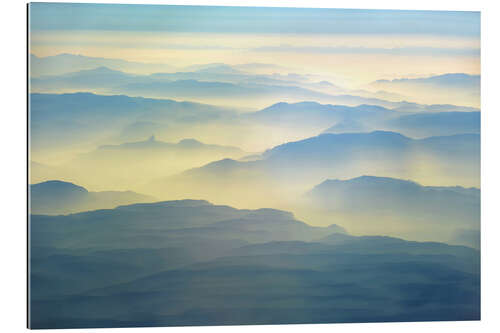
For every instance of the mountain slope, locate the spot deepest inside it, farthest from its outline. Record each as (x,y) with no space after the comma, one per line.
(220,85)
(175,221)
(159,264)
(72,120)
(144,160)
(413,208)
(430,120)
(282,174)
(66,63)
(303,113)
(212,86)
(57,197)
(383,151)
(459,88)
(418,125)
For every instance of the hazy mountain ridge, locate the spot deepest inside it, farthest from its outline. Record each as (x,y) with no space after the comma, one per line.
(366,118)
(95,120)
(336,148)
(152,144)
(303,113)
(440,123)
(196,166)
(417,125)
(282,174)
(459,79)
(172,216)
(391,184)
(206,87)
(214,277)
(58,197)
(464,145)
(220,85)
(66,63)
(460,88)
(146,160)
(181,252)
(369,199)
(67,120)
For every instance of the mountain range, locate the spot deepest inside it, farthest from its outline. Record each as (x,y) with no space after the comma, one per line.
(220,85)
(187,262)
(58,197)
(379,248)
(96,120)
(289,169)
(72,121)
(314,117)
(66,63)
(417,125)
(216,86)
(145,160)
(459,88)
(369,203)
(52,71)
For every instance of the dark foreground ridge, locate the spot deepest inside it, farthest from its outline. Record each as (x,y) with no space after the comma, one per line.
(55,197)
(190,262)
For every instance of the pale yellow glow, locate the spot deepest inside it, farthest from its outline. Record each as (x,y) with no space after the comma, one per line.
(184,49)
(162,175)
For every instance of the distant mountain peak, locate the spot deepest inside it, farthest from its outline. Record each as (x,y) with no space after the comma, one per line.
(100,70)
(172,203)
(59,197)
(374,134)
(446,77)
(367,180)
(386,133)
(189,142)
(226,162)
(58,185)
(221,166)
(279,104)
(272,213)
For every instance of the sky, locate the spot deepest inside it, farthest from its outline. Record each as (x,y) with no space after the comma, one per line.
(352,46)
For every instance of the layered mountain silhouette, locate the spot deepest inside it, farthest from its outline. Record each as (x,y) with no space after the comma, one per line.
(366,118)
(460,88)
(220,85)
(98,78)
(175,222)
(416,125)
(438,123)
(155,145)
(370,201)
(401,244)
(66,63)
(294,167)
(317,115)
(380,151)
(212,85)
(449,80)
(59,197)
(145,160)
(187,262)
(94,119)
(69,120)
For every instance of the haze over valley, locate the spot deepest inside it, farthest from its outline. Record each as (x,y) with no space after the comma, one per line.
(254,171)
